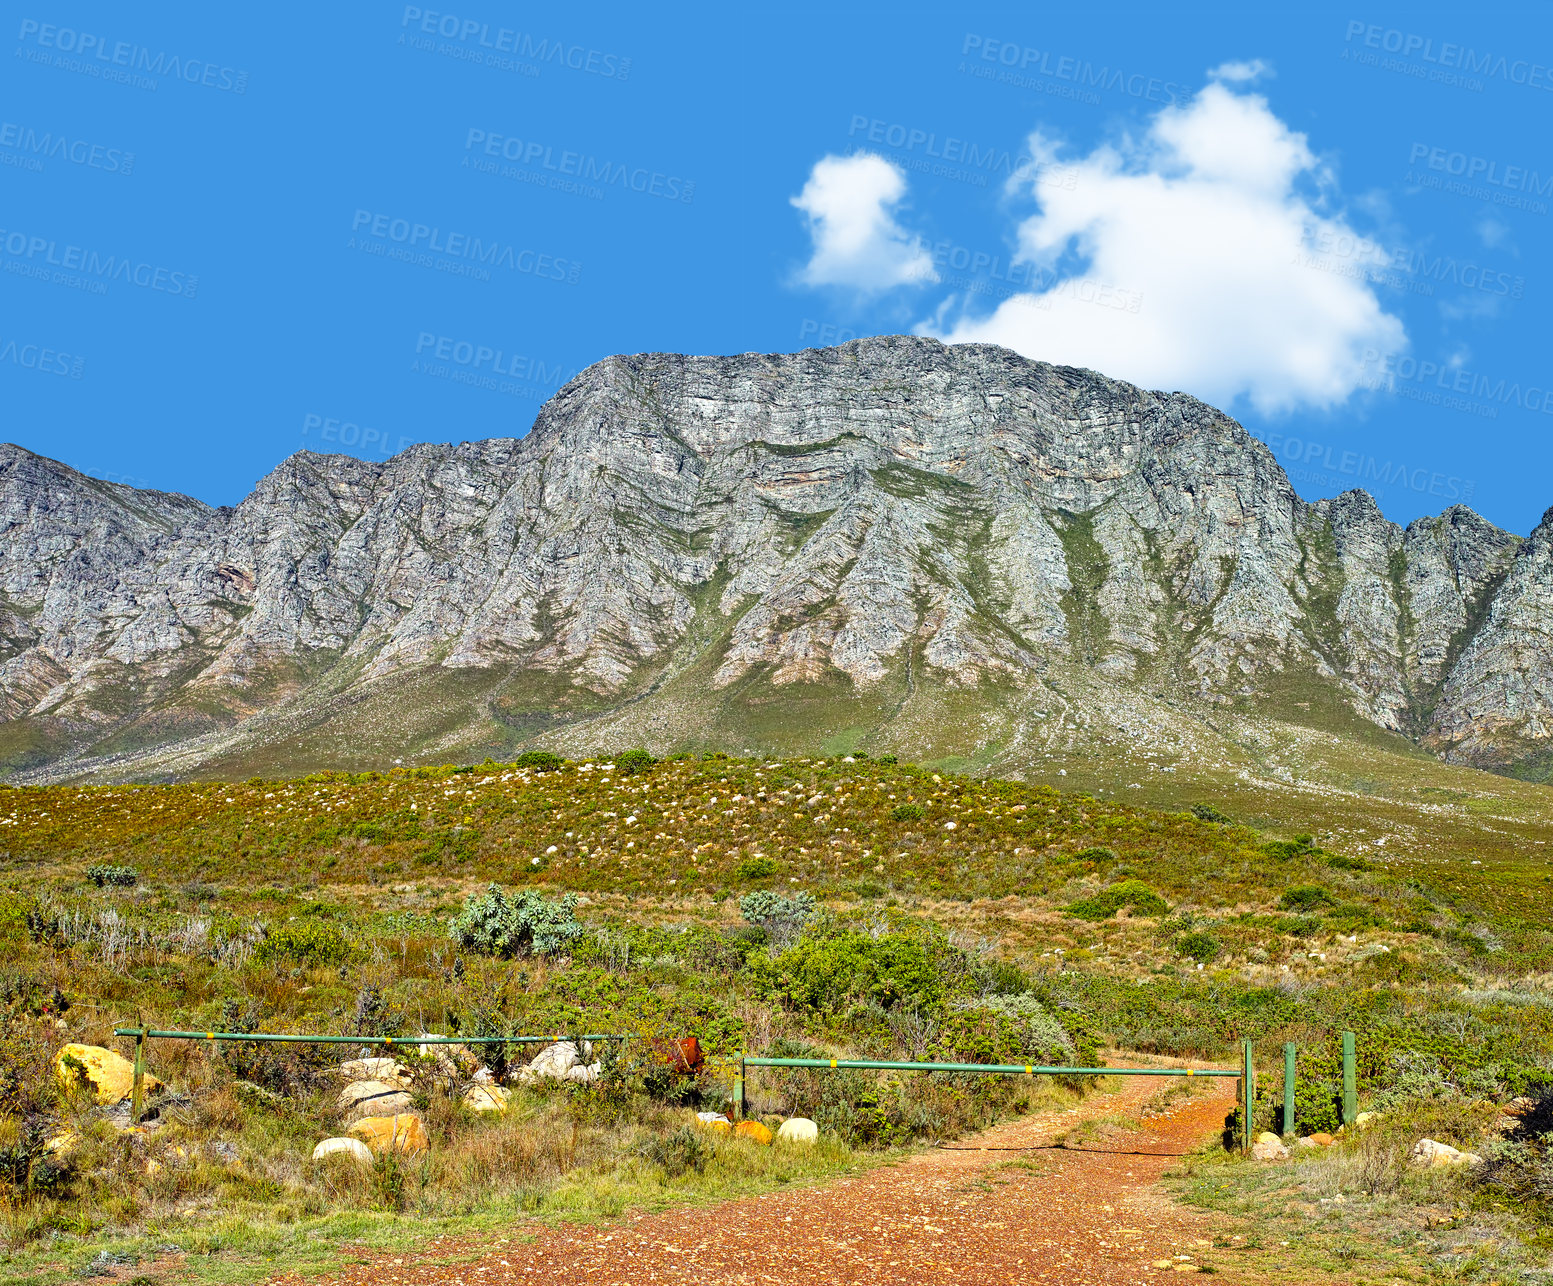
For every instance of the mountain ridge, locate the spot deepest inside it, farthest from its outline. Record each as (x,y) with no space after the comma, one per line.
(841,525)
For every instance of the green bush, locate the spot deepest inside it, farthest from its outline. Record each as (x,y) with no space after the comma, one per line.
(1133,895)
(1199,945)
(104,876)
(528,923)
(1208,813)
(821,975)
(1306,897)
(688,1148)
(755,868)
(1284,849)
(782,917)
(539,760)
(908,812)
(309,942)
(634,761)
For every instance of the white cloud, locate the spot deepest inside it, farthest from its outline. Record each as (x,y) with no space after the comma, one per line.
(1200,265)
(1493,232)
(1241,73)
(848,204)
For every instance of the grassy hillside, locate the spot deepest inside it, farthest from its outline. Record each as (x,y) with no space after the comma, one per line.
(951,916)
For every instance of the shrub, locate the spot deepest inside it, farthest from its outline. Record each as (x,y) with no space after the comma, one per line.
(310,942)
(887,759)
(755,868)
(783,918)
(908,812)
(104,876)
(539,761)
(1199,945)
(497,925)
(1284,849)
(1208,813)
(1029,1029)
(820,975)
(1305,897)
(634,761)
(1134,895)
(684,1150)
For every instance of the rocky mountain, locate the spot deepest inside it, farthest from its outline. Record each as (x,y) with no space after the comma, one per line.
(774,549)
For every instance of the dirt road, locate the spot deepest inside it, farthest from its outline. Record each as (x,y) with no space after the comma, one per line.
(1008,1206)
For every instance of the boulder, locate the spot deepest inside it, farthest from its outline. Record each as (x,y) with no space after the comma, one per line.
(388,1071)
(455,1059)
(487,1098)
(714,1121)
(800,1129)
(1269,1148)
(1306,1144)
(1267,1136)
(754,1131)
(372,1098)
(1438,1156)
(109,1076)
(355,1149)
(562,1061)
(400,1133)
(1322,1139)
(1364,1120)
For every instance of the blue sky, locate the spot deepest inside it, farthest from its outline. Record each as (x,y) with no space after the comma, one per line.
(229,235)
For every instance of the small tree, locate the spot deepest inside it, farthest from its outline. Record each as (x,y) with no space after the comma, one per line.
(783,918)
(529,923)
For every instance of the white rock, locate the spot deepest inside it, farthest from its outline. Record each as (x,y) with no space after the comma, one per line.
(561,1061)
(353,1148)
(372,1098)
(1438,1156)
(1265,1149)
(389,1071)
(799,1129)
(487,1098)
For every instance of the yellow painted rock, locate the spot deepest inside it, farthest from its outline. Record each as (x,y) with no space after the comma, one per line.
(108,1075)
(754,1130)
(400,1133)
(62,1144)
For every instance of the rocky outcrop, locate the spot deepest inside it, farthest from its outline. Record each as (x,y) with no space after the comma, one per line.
(889,512)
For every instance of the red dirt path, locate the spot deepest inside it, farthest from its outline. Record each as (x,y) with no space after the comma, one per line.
(1090,1214)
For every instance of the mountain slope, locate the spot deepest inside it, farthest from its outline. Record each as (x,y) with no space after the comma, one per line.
(763,547)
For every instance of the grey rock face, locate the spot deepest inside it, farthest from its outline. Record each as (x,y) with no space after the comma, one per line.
(833,515)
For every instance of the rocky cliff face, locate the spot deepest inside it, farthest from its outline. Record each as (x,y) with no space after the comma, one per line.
(890,511)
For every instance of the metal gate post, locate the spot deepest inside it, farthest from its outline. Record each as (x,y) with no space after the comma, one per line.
(1248,1090)
(1288,1088)
(1350,1080)
(738,1091)
(137,1090)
